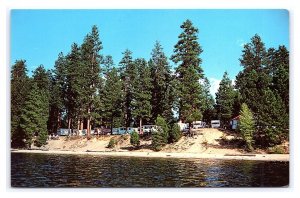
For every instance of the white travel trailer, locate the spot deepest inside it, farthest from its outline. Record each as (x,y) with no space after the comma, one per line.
(198,124)
(215,124)
(183,126)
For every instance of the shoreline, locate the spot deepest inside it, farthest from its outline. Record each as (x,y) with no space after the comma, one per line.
(255,157)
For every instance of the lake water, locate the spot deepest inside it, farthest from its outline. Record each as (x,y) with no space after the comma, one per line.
(50,170)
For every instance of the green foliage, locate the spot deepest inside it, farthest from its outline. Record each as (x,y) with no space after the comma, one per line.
(34,116)
(90,62)
(188,72)
(272,119)
(112,143)
(263,85)
(135,139)
(225,100)
(277,150)
(128,74)
(236,107)
(20,85)
(160,136)
(207,102)
(112,96)
(162,86)
(174,133)
(141,92)
(247,126)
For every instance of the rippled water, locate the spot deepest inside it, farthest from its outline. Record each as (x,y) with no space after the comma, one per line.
(50,170)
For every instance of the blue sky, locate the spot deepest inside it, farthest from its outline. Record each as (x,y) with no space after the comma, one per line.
(39,35)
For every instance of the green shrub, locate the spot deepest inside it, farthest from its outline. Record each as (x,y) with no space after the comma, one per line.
(276,150)
(246,126)
(174,133)
(160,136)
(112,143)
(135,139)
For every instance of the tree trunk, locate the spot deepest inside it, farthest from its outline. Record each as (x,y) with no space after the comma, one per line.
(69,125)
(88,128)
(141,124)
(190,131)
(81,124)
(111,124)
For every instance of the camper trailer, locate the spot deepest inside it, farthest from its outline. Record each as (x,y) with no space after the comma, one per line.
(198,124)
(215,124)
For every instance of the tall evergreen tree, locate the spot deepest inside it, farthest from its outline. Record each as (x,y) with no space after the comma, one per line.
(278,67)
(34,116)
(237,104)
(20,85)
(189,72)
(128,75)
(112,97)
(42,79)
(74,87)
(141,103)
(91,60)
(162,89)
(255,84)
(58,94)
(225,100)
(207,101)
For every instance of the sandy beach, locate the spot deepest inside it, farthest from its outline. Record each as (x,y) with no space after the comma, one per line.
(259,157)
(207,143)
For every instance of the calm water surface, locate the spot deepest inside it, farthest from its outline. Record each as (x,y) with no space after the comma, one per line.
(50,170)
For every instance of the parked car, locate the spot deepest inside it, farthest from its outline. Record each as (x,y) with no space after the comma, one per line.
(124,130)
(63,132)
(115,131)
(102,131)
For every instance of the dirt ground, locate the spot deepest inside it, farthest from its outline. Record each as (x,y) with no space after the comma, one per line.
(206,141)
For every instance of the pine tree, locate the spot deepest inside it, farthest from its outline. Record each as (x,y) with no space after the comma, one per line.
(135,139)
(207,102)
(57,94)
(41,78)
(162,89)
(256,85)
(112,97)
(34,116)
(91,60)
(141,95)
(247,126)
(272,120)
(188,73)
(20,86)
(253,78)
(225,100)
(160,136)
(278,67)
(174,133)
(128,75)
(237,104)
(74,87)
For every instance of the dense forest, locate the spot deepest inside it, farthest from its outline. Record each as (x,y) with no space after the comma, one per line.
(86,89)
